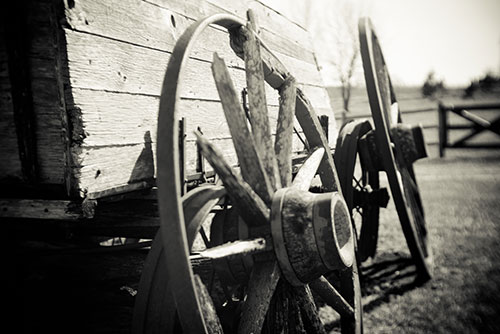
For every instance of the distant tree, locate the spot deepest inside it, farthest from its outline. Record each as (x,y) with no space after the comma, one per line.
(431,86)
(346,50)
(488,84)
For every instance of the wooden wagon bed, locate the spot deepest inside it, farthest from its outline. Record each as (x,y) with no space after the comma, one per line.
(80,84)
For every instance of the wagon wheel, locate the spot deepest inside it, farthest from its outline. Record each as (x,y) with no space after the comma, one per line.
(395,142)
(282,218)
(360,186)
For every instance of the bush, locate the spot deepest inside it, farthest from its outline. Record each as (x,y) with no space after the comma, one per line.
(432,87)
(488,84)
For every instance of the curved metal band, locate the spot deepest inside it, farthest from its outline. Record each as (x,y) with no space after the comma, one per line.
(172,228)
(368,39)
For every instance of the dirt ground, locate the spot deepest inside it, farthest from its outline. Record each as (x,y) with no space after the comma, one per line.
(90,293)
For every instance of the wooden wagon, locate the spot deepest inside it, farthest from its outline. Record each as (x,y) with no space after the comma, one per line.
(81,86)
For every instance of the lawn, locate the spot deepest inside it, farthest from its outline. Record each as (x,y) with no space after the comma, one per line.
(461,199)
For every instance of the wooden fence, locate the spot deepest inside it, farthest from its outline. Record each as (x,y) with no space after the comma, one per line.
(476,125)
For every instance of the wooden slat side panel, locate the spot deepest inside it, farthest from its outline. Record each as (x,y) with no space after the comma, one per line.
(10,166)
(101,63)
(132,134)
(157,24)
(42,51)
(117,53)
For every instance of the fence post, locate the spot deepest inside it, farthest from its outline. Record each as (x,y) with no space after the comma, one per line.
(443,128)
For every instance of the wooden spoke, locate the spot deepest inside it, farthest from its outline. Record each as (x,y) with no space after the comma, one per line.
(306,302)
(284,130)
(154,309)
(331,296)
(261,286)
(233,248)
(257,104)
(245,145)
(308,170)
(253,209)
(209,314)
(350,288)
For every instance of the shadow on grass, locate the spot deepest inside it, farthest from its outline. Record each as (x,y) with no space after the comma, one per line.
(389,275)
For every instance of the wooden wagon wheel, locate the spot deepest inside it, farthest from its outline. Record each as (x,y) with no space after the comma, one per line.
(360,186)
(397,146)
(300,235)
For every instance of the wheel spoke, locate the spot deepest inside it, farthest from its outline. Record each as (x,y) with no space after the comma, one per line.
(253,209)
(233,248)
(258,105)
(331,296)
(306,302)
(154,285)
(284,130)
(261,286)
(252,167)
(308,170)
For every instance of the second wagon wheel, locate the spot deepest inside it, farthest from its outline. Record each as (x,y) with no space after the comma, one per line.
(294,236)
(360,185)
(397,146)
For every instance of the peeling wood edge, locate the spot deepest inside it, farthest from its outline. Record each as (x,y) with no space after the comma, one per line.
(57,10)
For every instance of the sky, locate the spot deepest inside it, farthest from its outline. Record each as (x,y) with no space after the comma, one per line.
(457,39)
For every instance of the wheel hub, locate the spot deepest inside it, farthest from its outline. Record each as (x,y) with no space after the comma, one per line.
(312,234)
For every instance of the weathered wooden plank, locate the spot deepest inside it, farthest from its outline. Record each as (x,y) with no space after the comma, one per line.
(49,130)
(119,119)
(113,100)
(102,168)
(104,64)
(269,20)
(158,24)
(17,46)
(40,209)
(41,51)
(99,169)
(10,168)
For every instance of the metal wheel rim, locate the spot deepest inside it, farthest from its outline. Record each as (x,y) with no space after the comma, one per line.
(380,106)
(346,160)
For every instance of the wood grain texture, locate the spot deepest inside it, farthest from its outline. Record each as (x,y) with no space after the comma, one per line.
(252,162)
(116,55)
(252,208)
(261,287)
(41,209)
(298,233)
(10,168)
(284,131)
(257,106)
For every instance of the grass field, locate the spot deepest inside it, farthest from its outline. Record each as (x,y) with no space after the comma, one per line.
(461,196)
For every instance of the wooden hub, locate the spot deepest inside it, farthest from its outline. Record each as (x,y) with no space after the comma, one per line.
(312,234)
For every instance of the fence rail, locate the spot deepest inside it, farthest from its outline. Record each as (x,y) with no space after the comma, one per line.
(476,124)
